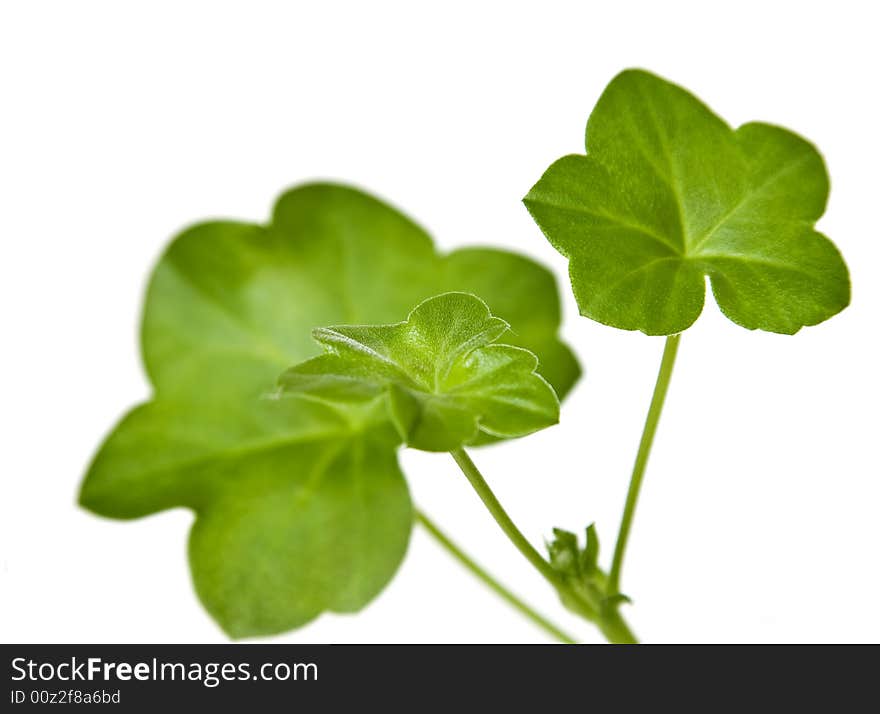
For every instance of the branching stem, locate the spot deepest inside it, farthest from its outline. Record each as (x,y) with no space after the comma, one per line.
(611,623)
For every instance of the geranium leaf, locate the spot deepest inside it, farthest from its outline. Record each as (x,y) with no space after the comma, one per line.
(445,376)
(668,194)
(300,507)
(283,498)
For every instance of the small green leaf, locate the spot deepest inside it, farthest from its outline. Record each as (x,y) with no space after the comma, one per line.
(445,377)
(300,507)
(668,194)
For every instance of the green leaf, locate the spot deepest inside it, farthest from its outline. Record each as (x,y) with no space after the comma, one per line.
(285,501)
(445,377)
(668,194)
(300,507)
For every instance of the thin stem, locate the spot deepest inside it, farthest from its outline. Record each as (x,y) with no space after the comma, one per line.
(491,582)
(612,624)
(635,483)
(469,469)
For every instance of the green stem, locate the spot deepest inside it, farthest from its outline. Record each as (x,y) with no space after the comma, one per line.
(635,483)
(491,582)
(470,470)
(611,624)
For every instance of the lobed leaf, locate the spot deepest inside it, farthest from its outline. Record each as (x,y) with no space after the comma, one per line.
(445,377)
(283,499)
(668,194)
(300,507)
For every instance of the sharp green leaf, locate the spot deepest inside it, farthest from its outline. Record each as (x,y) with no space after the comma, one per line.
(445,377)
(668,194)
(300,506)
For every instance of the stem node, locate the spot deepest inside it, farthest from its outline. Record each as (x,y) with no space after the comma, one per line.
(612,624)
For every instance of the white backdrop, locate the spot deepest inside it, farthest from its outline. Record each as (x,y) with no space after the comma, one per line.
(122,122)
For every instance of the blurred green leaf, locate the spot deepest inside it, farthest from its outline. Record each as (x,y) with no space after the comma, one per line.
(300,507)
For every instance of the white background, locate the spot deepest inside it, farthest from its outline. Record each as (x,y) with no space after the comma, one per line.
(122,122)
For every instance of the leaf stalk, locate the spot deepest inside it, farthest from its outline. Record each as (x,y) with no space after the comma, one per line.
(667,362)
